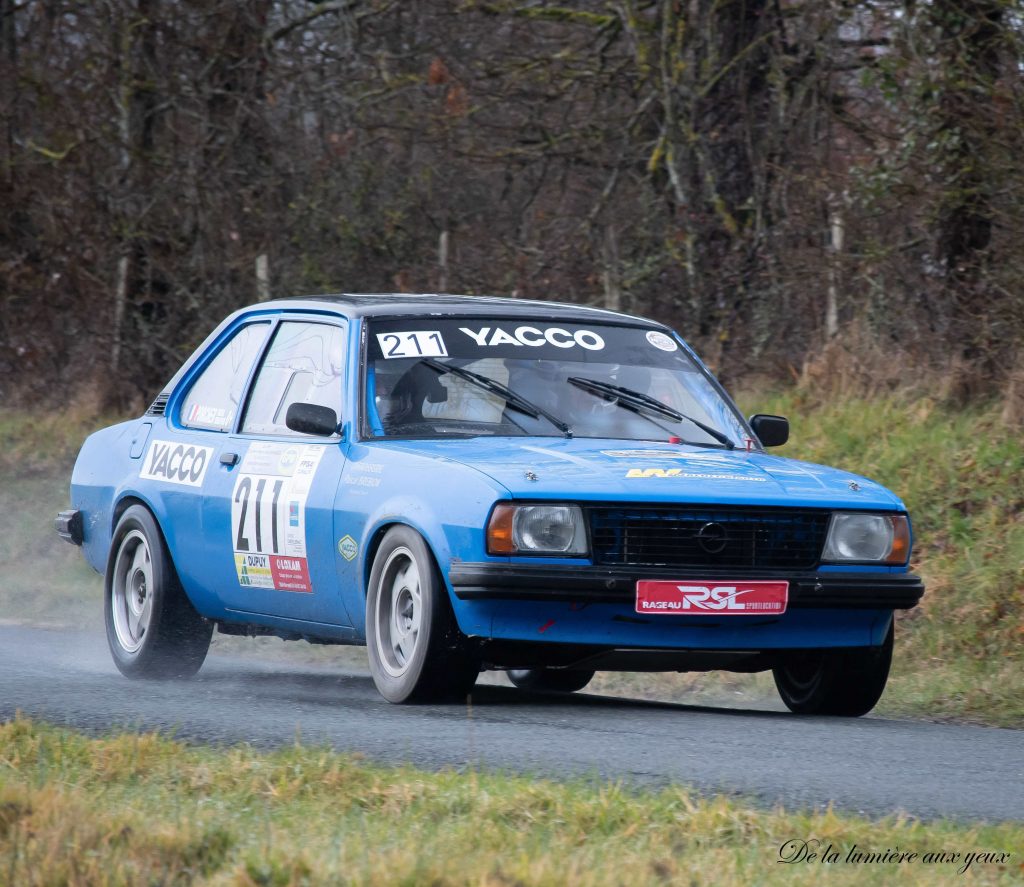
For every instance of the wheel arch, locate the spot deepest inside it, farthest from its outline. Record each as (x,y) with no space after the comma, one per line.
(376,537)
(126,502)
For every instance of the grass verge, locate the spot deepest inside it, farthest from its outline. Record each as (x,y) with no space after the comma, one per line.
(142,809)
(960,653)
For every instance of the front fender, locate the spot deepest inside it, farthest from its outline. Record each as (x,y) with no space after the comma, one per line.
(446,502)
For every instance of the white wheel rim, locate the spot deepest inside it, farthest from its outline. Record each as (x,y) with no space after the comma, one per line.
(131,592)
(398,612)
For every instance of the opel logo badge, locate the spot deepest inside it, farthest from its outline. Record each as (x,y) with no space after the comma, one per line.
(712,537)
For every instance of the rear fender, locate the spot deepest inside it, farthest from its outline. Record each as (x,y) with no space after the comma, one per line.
(102,464)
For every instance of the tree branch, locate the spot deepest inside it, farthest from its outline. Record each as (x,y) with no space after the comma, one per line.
(321,9)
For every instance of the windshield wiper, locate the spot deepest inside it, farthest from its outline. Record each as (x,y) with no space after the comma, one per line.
(633,400)
(513,400)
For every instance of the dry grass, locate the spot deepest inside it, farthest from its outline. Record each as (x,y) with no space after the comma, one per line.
(139,809)
(960,654)
(38,441)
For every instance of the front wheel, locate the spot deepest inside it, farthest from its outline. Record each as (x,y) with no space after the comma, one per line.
(152,628)
(416,650)
(835,682)
(555,680)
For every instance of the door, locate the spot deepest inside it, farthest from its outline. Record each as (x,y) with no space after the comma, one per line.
(268,515)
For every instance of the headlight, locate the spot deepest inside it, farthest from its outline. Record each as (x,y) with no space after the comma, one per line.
(874,538)
(536,529)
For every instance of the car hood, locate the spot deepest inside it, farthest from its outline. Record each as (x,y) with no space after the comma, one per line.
(629,470)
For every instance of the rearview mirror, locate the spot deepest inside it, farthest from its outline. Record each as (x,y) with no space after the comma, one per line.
(311,418)
(772,431)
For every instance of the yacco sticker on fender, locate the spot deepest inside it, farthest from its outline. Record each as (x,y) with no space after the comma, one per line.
(268,515)
(176,463)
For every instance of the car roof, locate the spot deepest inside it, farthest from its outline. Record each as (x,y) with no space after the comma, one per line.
(439,305)
(443,304)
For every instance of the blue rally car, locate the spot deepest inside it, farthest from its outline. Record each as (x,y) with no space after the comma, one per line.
(469,483)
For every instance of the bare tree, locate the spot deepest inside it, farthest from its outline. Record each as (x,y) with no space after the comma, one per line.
(774,177)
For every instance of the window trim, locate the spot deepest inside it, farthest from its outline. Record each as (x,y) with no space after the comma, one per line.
(201,367)
(337,321)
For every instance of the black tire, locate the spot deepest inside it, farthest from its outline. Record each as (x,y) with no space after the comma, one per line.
(835,682)
(416,651)
(554,680)
(152,628)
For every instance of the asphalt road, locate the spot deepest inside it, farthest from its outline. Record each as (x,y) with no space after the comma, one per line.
(868,765)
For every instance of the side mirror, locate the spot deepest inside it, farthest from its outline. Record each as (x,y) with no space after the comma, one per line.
(772,431)
(311,418)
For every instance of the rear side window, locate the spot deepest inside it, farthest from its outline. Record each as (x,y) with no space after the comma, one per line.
(304,364)
(214,398)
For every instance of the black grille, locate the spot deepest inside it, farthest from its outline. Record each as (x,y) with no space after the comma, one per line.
(710,536)
(157,407)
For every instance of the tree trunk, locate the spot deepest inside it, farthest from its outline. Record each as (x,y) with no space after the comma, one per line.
(969,49)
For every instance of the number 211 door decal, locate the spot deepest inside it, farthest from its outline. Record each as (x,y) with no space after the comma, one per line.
(268,516)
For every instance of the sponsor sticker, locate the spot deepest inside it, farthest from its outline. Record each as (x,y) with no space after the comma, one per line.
(661,341)
(288,459)
(348,548)
(658,454)
(268,515)
(363,474)
(413,343)
(254,570)
(698,475)
(176,463)
(290,574)
(217,417)
(369,467)
(754,598)
(534,337)
(359,480)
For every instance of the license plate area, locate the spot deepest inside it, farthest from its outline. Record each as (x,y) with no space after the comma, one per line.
(703,598)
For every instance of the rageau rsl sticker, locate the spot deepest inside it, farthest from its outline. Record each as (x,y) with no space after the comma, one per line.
(176,463)
(738,598)
(268,516)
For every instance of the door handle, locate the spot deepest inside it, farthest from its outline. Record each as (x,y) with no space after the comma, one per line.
(229,459)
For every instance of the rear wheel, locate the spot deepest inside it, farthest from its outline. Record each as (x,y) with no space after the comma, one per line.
(556,680)
(835,682)
(152,628)
(416,650)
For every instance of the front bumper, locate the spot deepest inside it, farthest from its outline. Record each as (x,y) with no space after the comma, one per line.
(589,584)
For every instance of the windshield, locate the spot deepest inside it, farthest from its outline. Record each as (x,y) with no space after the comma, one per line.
(428,377)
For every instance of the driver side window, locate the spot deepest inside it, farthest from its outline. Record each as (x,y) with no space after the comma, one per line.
(304,364)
